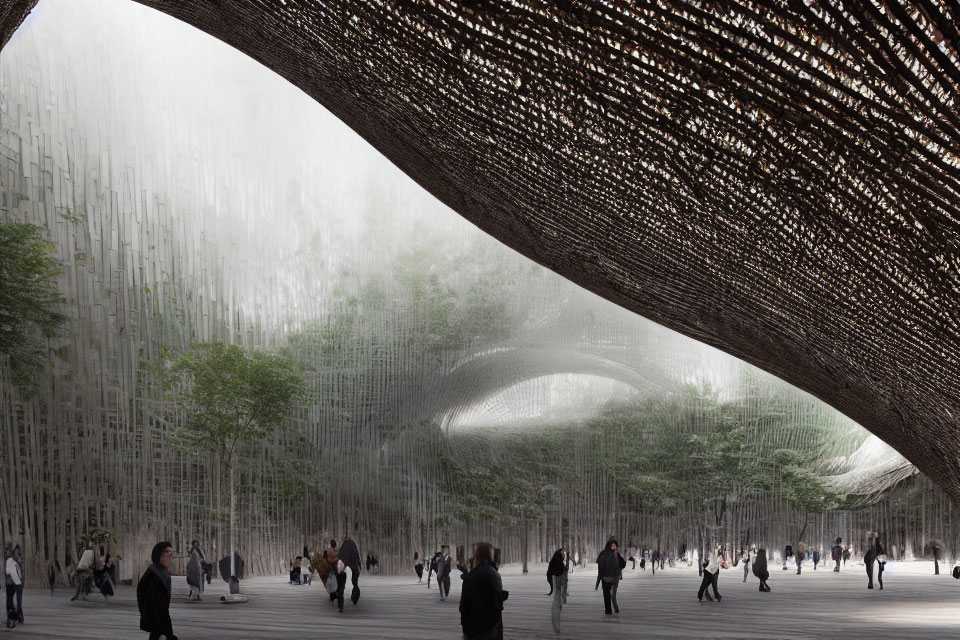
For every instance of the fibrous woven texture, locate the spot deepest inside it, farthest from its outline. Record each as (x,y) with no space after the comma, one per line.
(777,179)
(12,14)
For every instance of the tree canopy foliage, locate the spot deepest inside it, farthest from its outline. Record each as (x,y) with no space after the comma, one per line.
(232,396)
(29,300)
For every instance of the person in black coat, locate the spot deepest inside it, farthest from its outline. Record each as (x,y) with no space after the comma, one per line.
(443,567)
(482,598)
(232,580)
(609,565)
(868,559)
(350,557)
(153,594)
(760,569)
(557,576)
(837,554)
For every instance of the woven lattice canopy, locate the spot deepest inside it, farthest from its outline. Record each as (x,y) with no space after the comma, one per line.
(780,180)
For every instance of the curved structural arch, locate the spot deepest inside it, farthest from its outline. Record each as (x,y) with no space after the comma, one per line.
(779,180)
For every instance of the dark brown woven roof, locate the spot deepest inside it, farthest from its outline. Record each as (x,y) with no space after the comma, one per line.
(778,179)
(12,13)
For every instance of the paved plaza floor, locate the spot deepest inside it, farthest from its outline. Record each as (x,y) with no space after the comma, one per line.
(817,604)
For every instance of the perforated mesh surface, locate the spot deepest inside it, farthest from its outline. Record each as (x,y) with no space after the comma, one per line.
(777,179)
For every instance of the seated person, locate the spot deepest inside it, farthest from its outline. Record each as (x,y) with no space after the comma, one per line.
(295,571)
(305,576)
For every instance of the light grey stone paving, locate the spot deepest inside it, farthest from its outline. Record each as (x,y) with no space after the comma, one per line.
(818,604)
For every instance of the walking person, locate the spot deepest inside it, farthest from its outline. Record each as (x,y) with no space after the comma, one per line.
(609,566)
(557,574)
(13,582)
(881,560)
(710,576)
(153,594)
(433,566)
(85,572)
(482,598)
(443,568)
(195,571)
(418,566)
(320,567)
(350,557)
(760,569)
(801,553)
(339,576)
(748,561)
(816,558)
(837,554)
(869,558)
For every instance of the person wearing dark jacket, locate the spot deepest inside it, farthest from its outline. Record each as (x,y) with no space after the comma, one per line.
(195,570)
(432,566)
(609,565)
(557,575)
(837,554)
(232,580)
(760,569)
(482,597)
(443,568)
(350,557)
(153,594)
(868,559)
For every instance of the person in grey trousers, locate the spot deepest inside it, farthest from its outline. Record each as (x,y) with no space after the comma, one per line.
(557,572)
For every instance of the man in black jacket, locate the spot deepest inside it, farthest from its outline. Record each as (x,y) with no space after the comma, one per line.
(609,565)
(482,597)
(350,557)
(443,568)
(153,594)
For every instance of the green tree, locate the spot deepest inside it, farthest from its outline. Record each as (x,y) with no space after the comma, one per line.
(733,468)
(29,300)
(232,397)
(802,487)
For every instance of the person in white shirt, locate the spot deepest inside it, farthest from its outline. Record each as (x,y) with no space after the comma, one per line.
(13,580)
(84,572)
(710,574)
(748,561)
(305,577)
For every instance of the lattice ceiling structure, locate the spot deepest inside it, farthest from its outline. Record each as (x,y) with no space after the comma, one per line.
(780,180)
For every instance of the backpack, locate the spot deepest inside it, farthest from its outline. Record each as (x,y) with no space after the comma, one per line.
(611,565)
